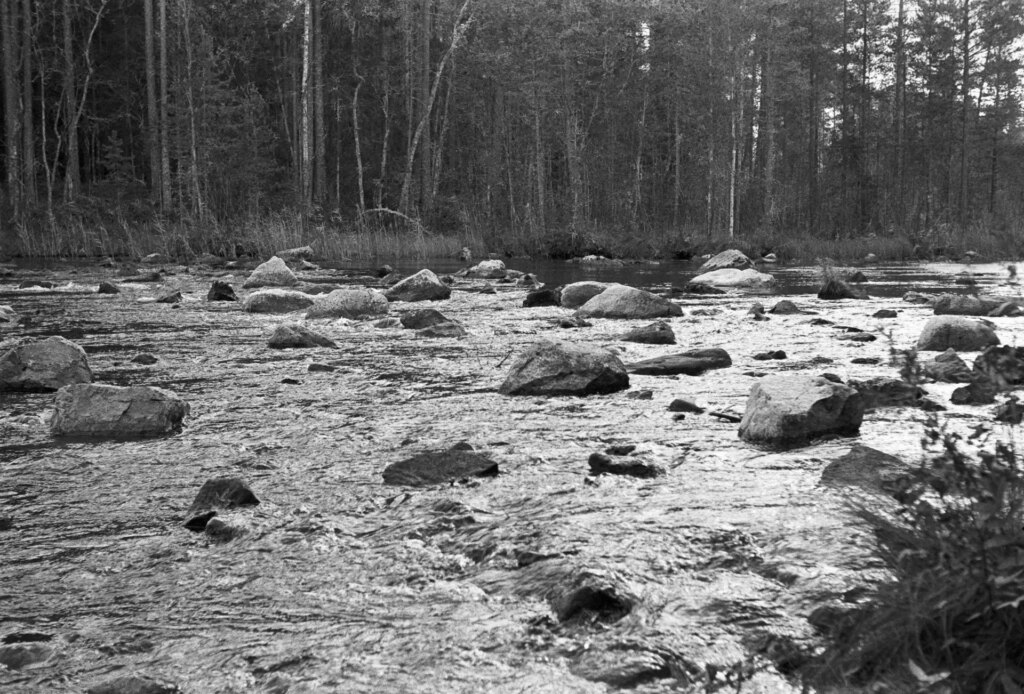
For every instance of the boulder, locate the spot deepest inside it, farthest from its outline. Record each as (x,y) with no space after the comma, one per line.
(7,315)
(948,367)
(563,368)
(445,329)
(578,293)
(276,301)
(438,467)
(169,296)
(18,656)
(543,296)
(691,363)
(885,391)
(293,254)
(620,301)
(918,298)
(487,269)
(698,288)
(354,304)
(836,289)
(422,318)
(43,365)
(1007,308)
(856,276)
(975,393)
(685,405)
(1009,412)
(602,463)
(785,307)
(103,411)
(865,467)
(423,286)
(962,334)
(295,336)
(734,278)
(731,259)
(221,291)
(656,333)
(273,273)
(884,313)
(218,494)
(770,355)
(107,288)
(792,409)
(964,305)
(1002,366)
(132,684)
(155,259)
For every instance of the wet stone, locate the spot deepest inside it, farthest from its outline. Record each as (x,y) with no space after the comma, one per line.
(955,332)
(218,494)
(685,405)
(865,360)
(620,301)
(487,269)
(730,259)
(858,337)
(784,410)
(295,336)
(439,467)
(423,286)
(1002,366)
(43,365)
(964,305)
(576,294)
(17,656)
(299,253)
(948,367)
(1009,412)
(884,391)
(103,411)
(354,304)
(384,271)
(7,315)
(835,290)
(149,276)
(107,288)
(423,318)
(445,329)
(273,273)
(621,449)
(863,466)
(276,301)
(977,393)
(171,296)
(145,359)
(884,313)
(775,354)
(221,291)
(690,363)
(320,368)
(543,297)
(918,298)
(701,288)
(601,463)
(571,322)
(36,284)
(656,333)
(785,307)
(564,368)
(1006,309)
(640,395)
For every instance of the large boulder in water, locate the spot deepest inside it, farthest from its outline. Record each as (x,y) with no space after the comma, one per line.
(731,259)
(296,336)
(734,278)
(276,301)
(690,363)
(835,289)
(955,332)
(964,305)
(116,412)
(219,291)
(793,409)
(656,333)
(354,304)
(578,293)
(563,368)
(273,273)
(423,286)
(438,467)
(43,365)
(865,467)
(488,269)
(620,301)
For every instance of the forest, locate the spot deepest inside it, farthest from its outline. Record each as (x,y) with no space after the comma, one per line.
(555,126)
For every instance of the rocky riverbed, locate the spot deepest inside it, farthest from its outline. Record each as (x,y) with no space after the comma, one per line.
(542,578)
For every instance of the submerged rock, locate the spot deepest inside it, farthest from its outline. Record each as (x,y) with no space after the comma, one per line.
(423,286)
(276,301)
(221,291)
(656,333)
(955,332)
(218,494)
(734,278)
(564,368)
(1002,366)
(273,273)
(43,365)
(685,405)
(620,301)
(884,313)
(296,336)
(171,296)
(133,684)
(90,410)
(836,289)
(107,288)
(543,297)
(439,467)
(601,463)
(866,467)
(578,293)
(690,363)
(444,329)
(785,307)
(884,391)
(794,409)
(354,304)
(731,259)
(700,288)
(773,354)
(422,318)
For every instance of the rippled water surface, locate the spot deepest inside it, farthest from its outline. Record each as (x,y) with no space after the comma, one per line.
(344,584)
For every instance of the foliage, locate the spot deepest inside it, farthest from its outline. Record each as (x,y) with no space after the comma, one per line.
(952,612)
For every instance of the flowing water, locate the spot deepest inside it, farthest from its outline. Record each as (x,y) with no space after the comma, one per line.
(344,584)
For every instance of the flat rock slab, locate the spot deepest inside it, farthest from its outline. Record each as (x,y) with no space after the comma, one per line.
(354,304)
(423,286)
(273,273)
(445,329)
(438,467)
(691,363)
(620,301)
(790,409)
(296,336)
(734,278)
(277,301)
(43,365)
(101,411)
(564,368)
(601,463)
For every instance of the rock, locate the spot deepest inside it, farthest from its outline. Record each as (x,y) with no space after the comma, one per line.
(438,467)
(229,526)
(731,259)
(601,464)
(620,301)
(1009,412)
(572,322)
(765,356)
(884,391)
(757,310)
(295,336)
(528,280)
(965,280)
(389,322)
(793,409)
(769,258)
(446,329)
(784,307)
(871,258)
(171,296)
(640,395)
(273,273)
(7,315)
(144,359)
(700,288)
(918,298)
(1007,308)
(962,334)
(657,333)
(17,656)
(277,301)
(107,288)
(384,271)
(151,276)
(487,269)
(975,393)
(423,286)
(836,289)
(685,405)
(465,255)
(209,259)
(884,313)
(543,297)
(691,363)
(578,293)
(866,467)
(43,365)
(221,291)
(734,278)
(293,254)
(218,494)
(855,276)
(133,684)
(564,368)
(948,367)
(1001,366)
(859,337)
(865,360)
(90,410)
(320,368)
(354,304)
(423,318)
(964,305)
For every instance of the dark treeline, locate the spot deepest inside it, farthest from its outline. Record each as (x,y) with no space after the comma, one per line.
(547,118)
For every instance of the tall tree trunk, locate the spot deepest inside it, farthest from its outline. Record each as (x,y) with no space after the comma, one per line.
(844,131)
(540,179)
(320,139)
(305,126)
(900,111)
(72,176)
(677,160)
(12,89)
(164,119)
(152,119)
(195,190)
(964,191)
(423,97)
(28,143)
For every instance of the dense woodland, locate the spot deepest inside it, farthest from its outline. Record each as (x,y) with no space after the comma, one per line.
(552,118)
